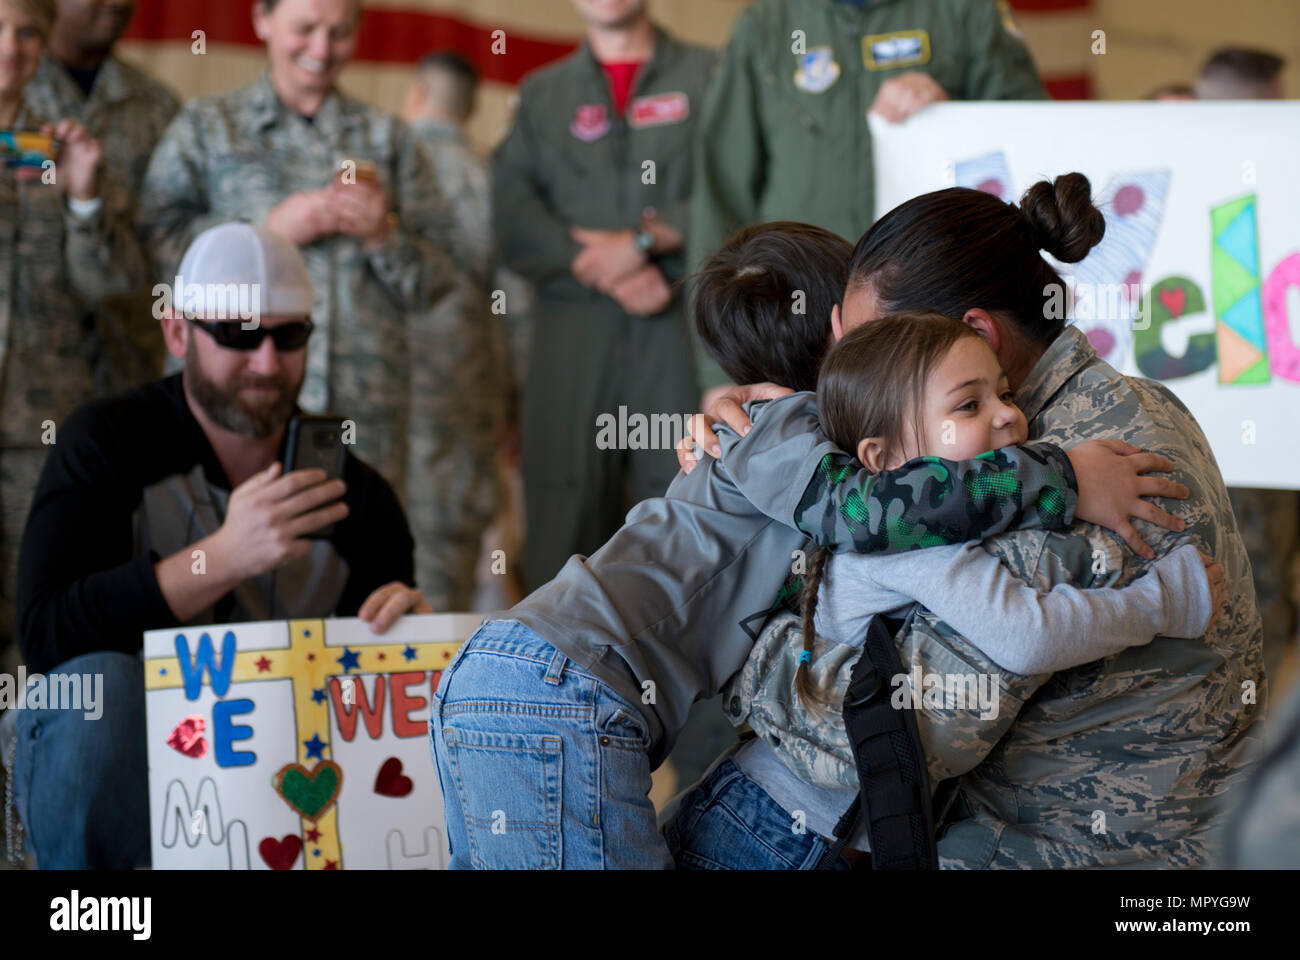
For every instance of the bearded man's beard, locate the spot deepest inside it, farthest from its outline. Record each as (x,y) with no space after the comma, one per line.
(228,409)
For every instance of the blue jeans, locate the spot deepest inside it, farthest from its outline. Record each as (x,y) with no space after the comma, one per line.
(728,822)
(82,786)
(542,766)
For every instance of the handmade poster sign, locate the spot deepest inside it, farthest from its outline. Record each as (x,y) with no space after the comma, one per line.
(293,745)
(1197,282)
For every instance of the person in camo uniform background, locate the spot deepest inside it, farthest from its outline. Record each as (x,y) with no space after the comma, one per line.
(1125,761)
(63,245)
(352,187)
(127,111)
(462,342)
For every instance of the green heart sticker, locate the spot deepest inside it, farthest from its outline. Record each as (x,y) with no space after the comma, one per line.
(309,792)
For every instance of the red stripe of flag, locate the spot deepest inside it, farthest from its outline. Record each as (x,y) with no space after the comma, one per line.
(1049,6)
(1069,86)
(387,36)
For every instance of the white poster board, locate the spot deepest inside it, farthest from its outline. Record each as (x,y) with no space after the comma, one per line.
(1197,283)
(297,744)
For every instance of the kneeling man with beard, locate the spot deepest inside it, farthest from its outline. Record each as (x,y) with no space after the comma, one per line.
(133,488)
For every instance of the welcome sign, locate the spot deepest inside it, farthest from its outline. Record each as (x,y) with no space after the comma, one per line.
(1197,281)
(296,744)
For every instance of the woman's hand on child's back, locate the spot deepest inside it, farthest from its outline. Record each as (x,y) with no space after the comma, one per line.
(1112,487)
(726,407)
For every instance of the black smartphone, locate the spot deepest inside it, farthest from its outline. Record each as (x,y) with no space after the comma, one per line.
(315,442)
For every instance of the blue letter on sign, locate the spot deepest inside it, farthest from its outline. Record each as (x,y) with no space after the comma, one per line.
(223,733)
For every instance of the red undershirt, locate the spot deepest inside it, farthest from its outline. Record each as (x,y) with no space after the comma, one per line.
(621,76)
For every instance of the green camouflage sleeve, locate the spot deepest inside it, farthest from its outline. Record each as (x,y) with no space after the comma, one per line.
(930,501)
(926,502)
(413,263)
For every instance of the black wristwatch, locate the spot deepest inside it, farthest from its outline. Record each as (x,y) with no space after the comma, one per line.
(644,240)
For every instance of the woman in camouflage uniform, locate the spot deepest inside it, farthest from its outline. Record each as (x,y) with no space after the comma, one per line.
(350,185)
(64,241)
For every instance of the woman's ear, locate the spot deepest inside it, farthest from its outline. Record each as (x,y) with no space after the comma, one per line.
(985,325)
(259,21)
(837,324)
(871,454)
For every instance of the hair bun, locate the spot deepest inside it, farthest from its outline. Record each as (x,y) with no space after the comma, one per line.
(1061,217)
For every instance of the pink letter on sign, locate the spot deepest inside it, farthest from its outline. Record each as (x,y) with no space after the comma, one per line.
(1283,354)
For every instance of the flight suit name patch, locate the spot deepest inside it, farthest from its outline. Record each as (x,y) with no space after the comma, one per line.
(885,51)
(590,122)
(658,109)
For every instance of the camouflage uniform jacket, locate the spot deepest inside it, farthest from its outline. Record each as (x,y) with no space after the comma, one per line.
(127,111)
(53,262)
(462,386)
(1120,762)
(236,156)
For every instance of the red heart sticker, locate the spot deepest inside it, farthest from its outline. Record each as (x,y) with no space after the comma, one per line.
(280,854)
(187,738)
(1174,300)
(391,782)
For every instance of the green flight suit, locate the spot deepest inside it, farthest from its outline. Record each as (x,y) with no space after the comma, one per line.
(783,132)
(571,161)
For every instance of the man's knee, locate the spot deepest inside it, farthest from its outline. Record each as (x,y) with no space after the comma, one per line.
(81,768)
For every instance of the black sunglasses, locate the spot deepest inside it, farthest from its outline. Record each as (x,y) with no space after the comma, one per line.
(233,336)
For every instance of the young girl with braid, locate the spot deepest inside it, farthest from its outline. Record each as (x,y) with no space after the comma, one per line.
(910,388)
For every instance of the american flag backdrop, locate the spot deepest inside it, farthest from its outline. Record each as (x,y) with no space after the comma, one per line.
(395,33)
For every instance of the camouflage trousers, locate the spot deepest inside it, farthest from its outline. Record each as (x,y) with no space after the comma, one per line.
(1270,528)
(19,471)
(451,487)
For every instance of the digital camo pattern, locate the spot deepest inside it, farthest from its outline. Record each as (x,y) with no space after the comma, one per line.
(53,263)
(1269,521)
(811,740)
(127,111)
(19,472)
(1261,830)
(459,394)
(1123,761)
(236,156)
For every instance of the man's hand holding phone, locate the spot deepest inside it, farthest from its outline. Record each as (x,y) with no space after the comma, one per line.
(269,518)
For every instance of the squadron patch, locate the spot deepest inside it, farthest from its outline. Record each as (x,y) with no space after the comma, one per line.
(817,70)
(590,122)
(885,51)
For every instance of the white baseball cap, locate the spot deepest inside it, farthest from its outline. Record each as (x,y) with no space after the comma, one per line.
(267,270)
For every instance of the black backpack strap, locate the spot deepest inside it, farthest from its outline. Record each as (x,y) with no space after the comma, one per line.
(894,783)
